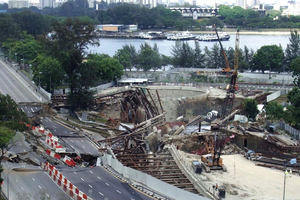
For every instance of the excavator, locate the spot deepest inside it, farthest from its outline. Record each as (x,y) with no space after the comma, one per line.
(214,148)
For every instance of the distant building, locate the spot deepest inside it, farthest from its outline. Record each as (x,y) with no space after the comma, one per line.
(58,3)
(46,3)
(18,4)
(241,3)
(116,28)
(254,2)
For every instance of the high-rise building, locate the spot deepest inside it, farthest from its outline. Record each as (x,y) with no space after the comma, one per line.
(255,2)
(17,4)
(241,3)
(46,3)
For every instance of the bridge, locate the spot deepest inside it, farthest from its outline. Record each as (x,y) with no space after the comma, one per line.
(196,13)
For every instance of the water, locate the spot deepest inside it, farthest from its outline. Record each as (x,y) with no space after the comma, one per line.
(110,46)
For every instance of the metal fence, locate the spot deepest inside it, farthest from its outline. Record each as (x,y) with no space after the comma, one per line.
(285,127)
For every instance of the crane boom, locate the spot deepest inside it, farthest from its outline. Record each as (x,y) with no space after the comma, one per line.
(227,68)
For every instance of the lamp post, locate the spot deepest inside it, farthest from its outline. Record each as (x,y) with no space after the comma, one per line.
(40,78)
(286,172)
(16,57)
(22,166)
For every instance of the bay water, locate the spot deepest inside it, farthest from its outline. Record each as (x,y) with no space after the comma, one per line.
(110,46)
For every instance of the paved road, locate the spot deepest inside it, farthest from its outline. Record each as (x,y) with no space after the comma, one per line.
(12,86)
(30,110)
(30,185)
(102,184)
(57,129)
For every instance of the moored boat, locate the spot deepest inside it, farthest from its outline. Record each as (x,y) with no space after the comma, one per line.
(185,35)
(222,36)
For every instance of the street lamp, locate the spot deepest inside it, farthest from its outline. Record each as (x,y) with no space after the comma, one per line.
(40,78)
(16,57)
(22,166)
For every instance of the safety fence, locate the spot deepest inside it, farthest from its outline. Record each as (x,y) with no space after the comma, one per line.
(64,183)
(285,127)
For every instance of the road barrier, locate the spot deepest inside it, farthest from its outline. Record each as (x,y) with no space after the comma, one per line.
(71,190)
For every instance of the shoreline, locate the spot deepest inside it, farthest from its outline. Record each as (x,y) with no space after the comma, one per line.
(230,32)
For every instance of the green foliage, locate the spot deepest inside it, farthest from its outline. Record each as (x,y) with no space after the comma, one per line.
(149,59)
(250,108)
(274,111)
(268,57)
(123,56)
(295,68)
(292,50)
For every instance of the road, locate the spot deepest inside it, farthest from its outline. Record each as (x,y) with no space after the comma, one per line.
(101,184)
(29,184)
(30,110)
(13,87)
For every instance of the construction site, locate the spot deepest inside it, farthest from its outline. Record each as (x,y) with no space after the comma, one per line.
(196,139)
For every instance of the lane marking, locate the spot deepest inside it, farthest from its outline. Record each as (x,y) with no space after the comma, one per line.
(17,181)
(75,173)
(33,179)
(40,187)
(98,177)
(82,179)
(47,195)
(83,146)
(91,172)
(107,184)
(101,194)
(22,188)
(90,186)
(119,192)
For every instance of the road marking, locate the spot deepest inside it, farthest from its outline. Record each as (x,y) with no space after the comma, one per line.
(22,188)
(33,179)
(82,141)
(90,186)
(75,173)
(71,140)
(91,172)
(119,192)
(107,184)
(83,146)
(17,181)
(132,199)
(101,194)
(47,195)
(40,187)
(98,177)
(82,179)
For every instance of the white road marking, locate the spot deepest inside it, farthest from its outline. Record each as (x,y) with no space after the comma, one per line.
(98,177)
(40,187)
(107,184)
(22,188)
(82,179)
(33,179)
(75,173)
(71,140)
(91,172)
(101,194)
(119,192)
(90,186)
(17,181)
(82,141)
(83,146)
(47,195)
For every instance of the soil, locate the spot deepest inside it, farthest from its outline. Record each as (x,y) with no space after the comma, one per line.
(246,181)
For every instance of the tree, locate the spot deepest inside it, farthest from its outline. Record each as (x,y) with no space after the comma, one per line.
(292,50)
(199,57)
(149,59)
(250,108)
(47,71)
(183,55)
(123,56)
(274,111)
(268,57)
(295,68)
(132,53)
(67,44)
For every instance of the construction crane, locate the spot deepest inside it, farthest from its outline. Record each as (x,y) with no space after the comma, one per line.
(227,69)
(232,87)
(213,159)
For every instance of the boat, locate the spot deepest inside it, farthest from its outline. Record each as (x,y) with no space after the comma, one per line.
(185,35)
(153,35)
(222,36)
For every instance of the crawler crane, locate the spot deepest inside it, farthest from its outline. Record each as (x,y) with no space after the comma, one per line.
(213,159)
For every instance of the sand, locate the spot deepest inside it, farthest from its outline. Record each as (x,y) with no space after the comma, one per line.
(246,181)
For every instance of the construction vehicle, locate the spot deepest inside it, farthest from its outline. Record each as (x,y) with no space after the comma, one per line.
(213,160)
(227,69)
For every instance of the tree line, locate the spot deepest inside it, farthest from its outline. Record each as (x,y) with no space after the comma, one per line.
(159,17)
